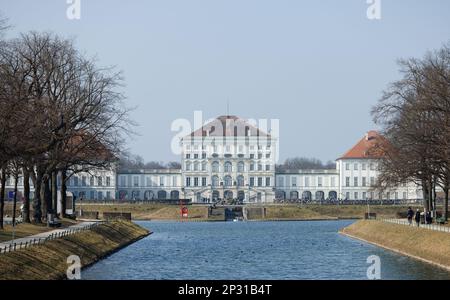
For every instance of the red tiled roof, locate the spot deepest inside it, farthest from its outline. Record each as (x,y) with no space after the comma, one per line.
(367,147)
(228,126)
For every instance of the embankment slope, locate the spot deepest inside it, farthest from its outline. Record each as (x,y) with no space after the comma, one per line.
(423,244)
(49,260)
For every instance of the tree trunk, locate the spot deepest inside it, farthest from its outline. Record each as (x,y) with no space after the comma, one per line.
(63,193)
(47,195)
(37,201)
(54,188)
(26,195)
(426,194)
(16,178)
(446,190)
(2,196)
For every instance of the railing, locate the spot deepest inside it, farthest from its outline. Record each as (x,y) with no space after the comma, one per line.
(435,227)
(347,202)
(39,241)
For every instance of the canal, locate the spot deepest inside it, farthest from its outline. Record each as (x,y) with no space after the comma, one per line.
(253,250)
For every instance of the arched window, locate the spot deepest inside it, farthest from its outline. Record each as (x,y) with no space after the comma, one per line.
(215,181)
(240,180)
(228,181)
(215,167)
(228,167)
(162,195)
(241,167)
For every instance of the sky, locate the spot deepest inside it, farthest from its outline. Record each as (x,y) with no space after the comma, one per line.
(318,66)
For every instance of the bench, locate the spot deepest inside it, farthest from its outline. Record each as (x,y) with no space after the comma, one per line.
(440,220)
(53,221)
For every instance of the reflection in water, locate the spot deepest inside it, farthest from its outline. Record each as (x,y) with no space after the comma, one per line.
(253,250)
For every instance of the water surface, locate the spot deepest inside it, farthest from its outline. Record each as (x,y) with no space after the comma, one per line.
(254,250)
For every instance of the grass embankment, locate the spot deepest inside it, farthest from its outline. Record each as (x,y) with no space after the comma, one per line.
(426,245)
(279,212)
(25,229)
(149,211)
(326,212)
(49,260)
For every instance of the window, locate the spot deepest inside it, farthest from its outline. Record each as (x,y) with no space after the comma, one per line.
(123,181)
(188,181)
(135,181)
(404,195)
(267,181)
(268,155)
(241,167)
(364,195)
(347,166)
(347,181)
(347,195)
(355,181)
(100,195)
(228,167)
(91,181)
(203,181)
(203,155)
(228,181)
(260,167)
(396,195)
(364,181)
(260,156)
(372,166)
(195,156)
(252,181)
(92,195)
(83,181)
(319,181)
(174,181)
(196,166)
(215,167)
(108,195)
(306,181)
(333,181)
(161,181)
(188,156)
(252,167)
(372,181)
(204,166)
(195,181)
(355,167)
(240,180)
(363,166)
(294,181)
(267,167)
(215,181)
(75,181)
(260,181)
(356,196)
(108,181)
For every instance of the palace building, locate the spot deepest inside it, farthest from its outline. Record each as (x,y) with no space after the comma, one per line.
(231,159)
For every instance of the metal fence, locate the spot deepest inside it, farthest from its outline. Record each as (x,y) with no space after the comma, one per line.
(39,241)
(349,202)
(435,227)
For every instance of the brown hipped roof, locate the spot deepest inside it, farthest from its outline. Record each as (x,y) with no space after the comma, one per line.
(367,147)
(228,126)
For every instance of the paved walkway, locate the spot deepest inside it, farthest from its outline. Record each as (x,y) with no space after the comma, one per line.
(434,227)
(21,242)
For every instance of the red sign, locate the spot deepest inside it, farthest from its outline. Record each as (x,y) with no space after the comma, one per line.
(184,212)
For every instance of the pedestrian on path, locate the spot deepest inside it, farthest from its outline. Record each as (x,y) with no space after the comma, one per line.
(410,215)
(417,218)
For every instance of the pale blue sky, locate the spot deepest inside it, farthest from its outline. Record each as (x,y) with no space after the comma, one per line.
(318,65)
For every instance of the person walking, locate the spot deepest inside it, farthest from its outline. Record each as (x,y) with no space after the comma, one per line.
(410,215)
(417,218)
